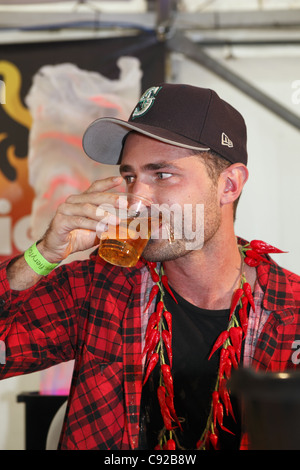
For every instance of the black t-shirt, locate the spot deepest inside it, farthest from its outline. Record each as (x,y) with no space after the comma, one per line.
(195,330)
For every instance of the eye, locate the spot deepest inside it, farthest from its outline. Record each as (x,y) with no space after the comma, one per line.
(162,175)
(128,179)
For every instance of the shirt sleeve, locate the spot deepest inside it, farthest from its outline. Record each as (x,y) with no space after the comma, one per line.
(39,326)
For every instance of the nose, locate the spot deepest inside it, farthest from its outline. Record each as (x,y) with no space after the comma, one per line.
(142,190)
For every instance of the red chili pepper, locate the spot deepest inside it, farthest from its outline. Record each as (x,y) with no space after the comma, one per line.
(243,316)
(262,247)
(152,338)
(235,300)
(254,255)
(232,356)
(151,343)
(168,379)
(236,334)
(220,417)
(245,302)
(154,275)
(170,405)
(227,368)
(165,283)
(168,317)
(153,264)
(248,291)
(213,439)
(230,409)
(152,363)
(159,310)
(207,440)
(161,395)
(220,414)
(251,262)
(223,359)
(224,395)
(215,399)
(219,342)
(151,324)
(168,344)
(199,444)
(171,445)
(153,294)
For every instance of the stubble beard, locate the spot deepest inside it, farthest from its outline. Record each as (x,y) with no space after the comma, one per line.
(171,249)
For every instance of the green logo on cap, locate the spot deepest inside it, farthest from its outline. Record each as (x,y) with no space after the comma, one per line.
(146,102)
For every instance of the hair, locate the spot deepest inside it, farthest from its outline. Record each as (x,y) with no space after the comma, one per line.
(215,164)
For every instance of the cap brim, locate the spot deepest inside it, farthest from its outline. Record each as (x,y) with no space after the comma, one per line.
(103,139)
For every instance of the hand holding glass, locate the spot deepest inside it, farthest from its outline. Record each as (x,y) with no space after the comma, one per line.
(123,242)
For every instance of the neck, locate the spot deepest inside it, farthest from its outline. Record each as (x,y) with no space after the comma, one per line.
(207,277)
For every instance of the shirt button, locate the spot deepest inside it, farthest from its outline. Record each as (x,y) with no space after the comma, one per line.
(2,303)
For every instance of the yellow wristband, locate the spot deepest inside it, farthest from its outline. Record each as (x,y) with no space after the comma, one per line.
(37,262)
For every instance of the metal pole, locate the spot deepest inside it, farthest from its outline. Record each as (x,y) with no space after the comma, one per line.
(180,43)
(165,13)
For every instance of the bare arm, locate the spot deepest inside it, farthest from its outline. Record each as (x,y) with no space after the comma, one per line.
(72,229)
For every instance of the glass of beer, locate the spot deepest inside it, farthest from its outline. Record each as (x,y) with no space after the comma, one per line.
(123,242)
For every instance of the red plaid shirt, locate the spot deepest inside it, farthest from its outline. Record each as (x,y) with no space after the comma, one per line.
(93,313)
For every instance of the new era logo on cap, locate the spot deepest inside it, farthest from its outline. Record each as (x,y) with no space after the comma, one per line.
(226,141)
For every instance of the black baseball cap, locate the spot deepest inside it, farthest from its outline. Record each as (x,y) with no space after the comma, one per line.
(181,115)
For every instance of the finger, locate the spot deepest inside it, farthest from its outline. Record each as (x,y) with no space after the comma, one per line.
(105,184)
(98,198)
(87,214)
(81,208)
(64,224)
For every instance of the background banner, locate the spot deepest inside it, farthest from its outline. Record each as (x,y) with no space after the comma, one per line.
(18,65)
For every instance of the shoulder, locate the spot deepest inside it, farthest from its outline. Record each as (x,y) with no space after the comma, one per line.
(281,287)
(293,280)
(285,283)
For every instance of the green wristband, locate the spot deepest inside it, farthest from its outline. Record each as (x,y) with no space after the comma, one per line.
(37,262)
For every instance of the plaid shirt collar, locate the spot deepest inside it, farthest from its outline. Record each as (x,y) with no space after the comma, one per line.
(278,292)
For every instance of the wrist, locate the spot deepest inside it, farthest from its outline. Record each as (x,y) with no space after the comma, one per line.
(49,255)
(35,258)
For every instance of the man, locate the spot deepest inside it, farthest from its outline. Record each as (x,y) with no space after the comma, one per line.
(181,144)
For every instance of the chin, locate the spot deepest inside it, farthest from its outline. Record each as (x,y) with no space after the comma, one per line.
(159,251)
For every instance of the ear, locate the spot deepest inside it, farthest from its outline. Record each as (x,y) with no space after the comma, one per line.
(232,181)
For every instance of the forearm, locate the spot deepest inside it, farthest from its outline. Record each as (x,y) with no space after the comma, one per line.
(20,276)
(19,273)
(34,334)
(72,229)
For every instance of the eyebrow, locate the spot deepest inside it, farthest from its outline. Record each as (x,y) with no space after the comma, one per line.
(125,168)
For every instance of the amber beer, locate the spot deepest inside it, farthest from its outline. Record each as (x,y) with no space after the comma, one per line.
(123,244)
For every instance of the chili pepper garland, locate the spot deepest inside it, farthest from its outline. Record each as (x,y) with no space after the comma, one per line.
(158,352)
